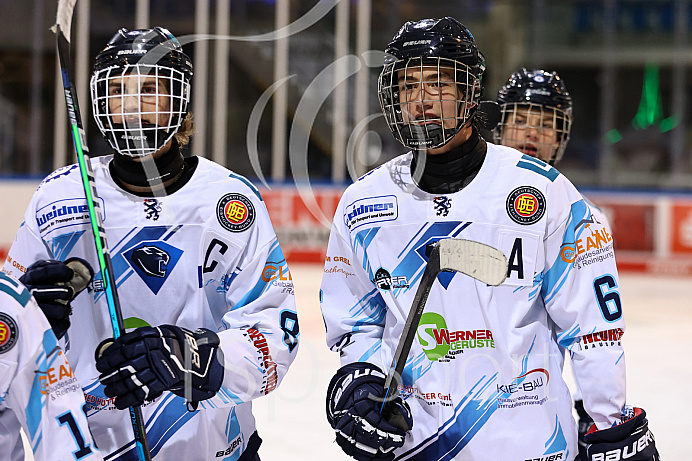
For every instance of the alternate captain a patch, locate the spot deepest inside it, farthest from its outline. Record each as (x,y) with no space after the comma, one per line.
(526,205)
(9,333)
(235,212)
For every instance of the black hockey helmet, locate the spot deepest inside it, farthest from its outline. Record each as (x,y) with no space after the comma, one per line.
(537,90)
(142,53)
(439,43)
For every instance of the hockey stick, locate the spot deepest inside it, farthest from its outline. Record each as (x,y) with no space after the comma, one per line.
(482,262)
(62,32)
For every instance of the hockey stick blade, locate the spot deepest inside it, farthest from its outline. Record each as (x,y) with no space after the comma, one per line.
(62,31)
(477,260)
(64,18)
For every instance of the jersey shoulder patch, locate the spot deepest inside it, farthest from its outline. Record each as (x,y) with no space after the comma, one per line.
(9,332)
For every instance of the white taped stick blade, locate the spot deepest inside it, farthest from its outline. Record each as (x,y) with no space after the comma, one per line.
(478,260)
(64,17)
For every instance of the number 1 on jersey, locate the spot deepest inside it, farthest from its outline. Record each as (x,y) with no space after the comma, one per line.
(83,449)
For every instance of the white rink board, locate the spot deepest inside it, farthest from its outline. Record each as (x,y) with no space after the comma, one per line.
(658,311)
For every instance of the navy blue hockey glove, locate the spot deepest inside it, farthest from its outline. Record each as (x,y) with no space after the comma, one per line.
(361,431)
(140,365)
(632,440)
(584,424)
(54,284)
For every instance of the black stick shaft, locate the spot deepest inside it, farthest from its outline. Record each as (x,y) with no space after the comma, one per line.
(409,332)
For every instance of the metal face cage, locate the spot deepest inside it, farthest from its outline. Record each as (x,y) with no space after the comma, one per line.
(427,100)
(534,129)
(139,108)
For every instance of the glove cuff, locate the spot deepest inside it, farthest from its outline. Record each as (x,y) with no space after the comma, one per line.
(204,363)
(620,432)
(209,340)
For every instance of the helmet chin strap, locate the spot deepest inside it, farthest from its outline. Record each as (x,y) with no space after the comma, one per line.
(425,137)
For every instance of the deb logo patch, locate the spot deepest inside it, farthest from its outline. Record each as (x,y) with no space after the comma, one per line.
(153,262)
(371,209)
(235,212)
(9,333)
(526,205)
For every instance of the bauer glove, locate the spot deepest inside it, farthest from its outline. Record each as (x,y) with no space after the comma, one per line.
(54,284)
(632,440)
(140,365)
(354,413)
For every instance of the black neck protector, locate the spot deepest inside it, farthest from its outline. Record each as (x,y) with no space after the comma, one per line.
(128,171)
(452,171)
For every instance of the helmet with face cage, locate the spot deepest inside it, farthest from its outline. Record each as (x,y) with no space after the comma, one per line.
(538,92)
(447,47)
(147,115)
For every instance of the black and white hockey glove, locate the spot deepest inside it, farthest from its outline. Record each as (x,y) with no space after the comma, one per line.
(140,365)
(584,424)
(632,440)
(54,284)
(361,431)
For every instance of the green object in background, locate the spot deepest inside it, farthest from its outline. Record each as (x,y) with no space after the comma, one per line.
(134,322)
(650,111)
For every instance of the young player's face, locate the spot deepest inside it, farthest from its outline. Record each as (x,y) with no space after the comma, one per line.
(429,95)
(138,99)
(531,130)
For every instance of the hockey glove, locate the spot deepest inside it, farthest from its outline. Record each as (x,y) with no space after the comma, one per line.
(54,284)
(585,423)
(140,365)
(632,440)
(361,431)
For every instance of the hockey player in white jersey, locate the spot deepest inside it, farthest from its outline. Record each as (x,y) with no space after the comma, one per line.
(483,378)
(39,391)
(199,269)
(536,119)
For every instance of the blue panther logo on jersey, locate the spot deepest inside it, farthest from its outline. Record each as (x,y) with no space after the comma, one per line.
(153,262)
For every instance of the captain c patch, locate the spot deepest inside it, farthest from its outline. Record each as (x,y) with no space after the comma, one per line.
(235,212)
(525,205)
(9,333)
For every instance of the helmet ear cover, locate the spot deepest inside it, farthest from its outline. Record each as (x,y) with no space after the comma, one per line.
(131,59)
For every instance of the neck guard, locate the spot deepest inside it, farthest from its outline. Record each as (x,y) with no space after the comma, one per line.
(452,171)
(129,171)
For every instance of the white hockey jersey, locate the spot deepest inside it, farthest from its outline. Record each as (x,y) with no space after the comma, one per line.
(484,375)
(204,256)
(38,389)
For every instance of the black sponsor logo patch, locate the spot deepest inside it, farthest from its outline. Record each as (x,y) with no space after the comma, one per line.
(235,212)
(383,279)
(526,205)
(9,333)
